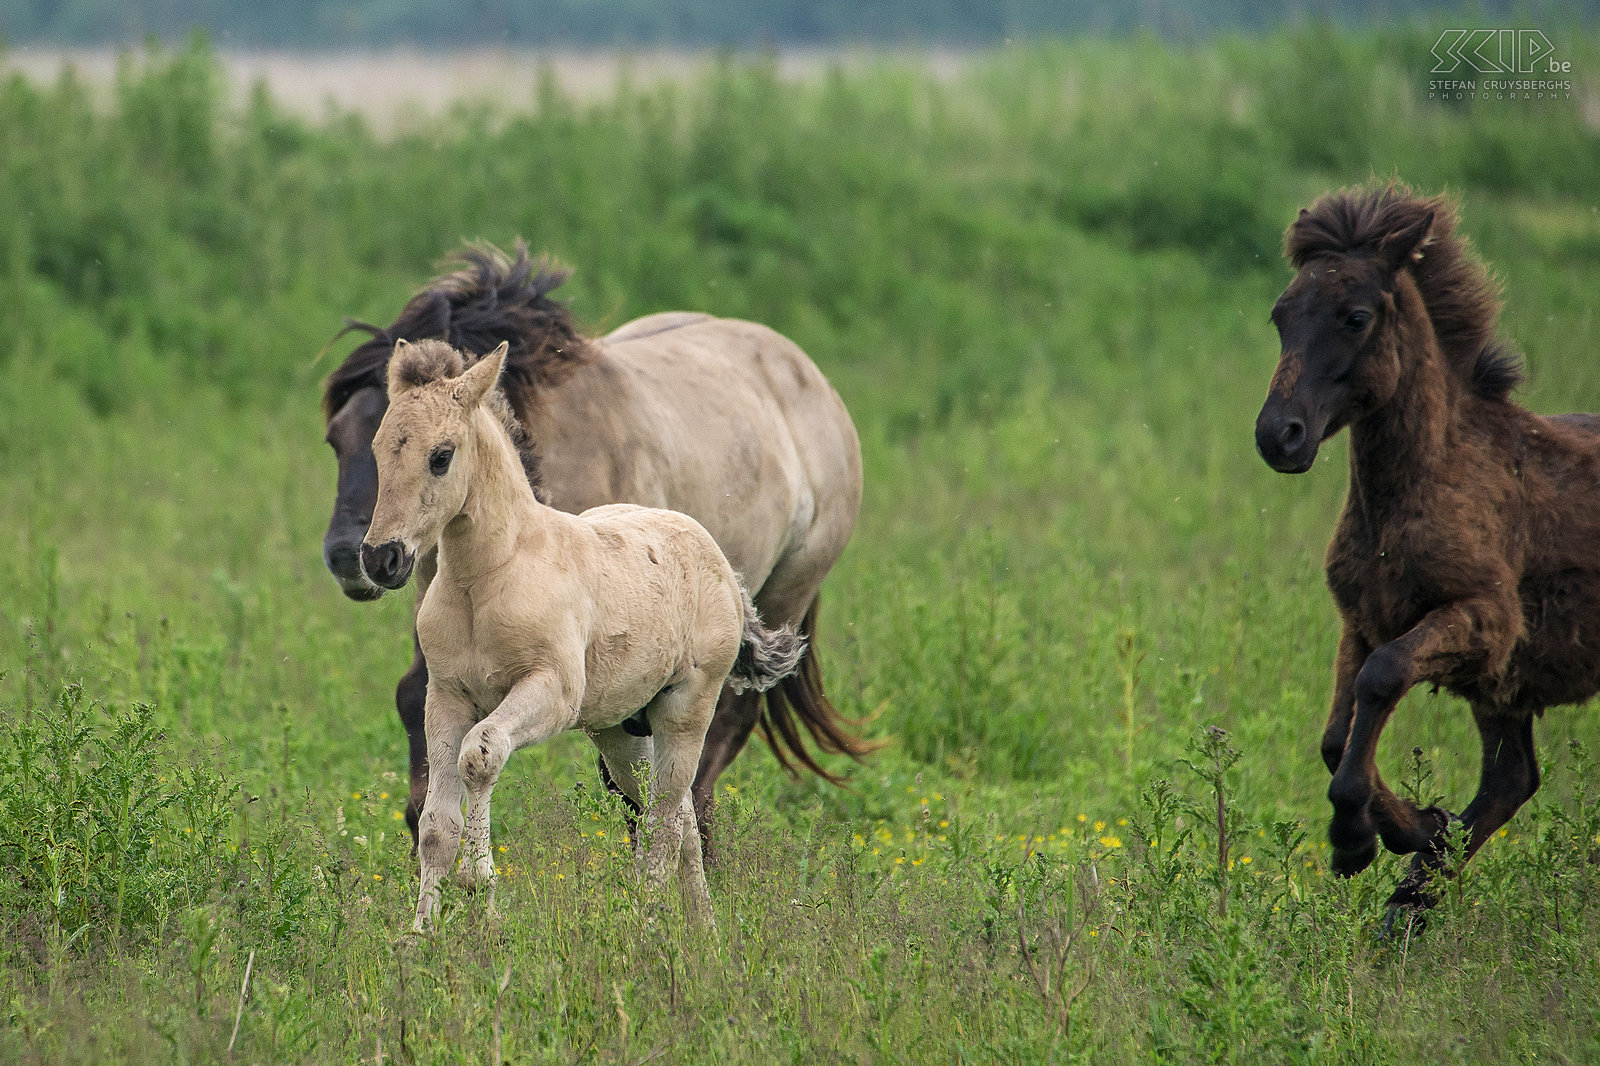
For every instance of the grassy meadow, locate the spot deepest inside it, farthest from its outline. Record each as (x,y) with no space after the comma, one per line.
(1079,610)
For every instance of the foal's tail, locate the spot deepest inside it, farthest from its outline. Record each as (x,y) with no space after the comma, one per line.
(766,656)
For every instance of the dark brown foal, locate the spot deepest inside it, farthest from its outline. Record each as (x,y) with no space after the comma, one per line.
(1466,554)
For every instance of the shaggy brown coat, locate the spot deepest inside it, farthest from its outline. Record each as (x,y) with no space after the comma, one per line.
(1466,554)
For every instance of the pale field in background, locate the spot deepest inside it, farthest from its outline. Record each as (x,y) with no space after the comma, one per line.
(389,86)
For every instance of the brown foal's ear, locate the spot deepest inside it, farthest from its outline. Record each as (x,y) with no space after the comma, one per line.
(1405,246)
(475,384)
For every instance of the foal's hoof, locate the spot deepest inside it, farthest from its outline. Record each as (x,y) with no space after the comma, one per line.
(1349,863)
(472,880)
(1402,920)
(1412,893)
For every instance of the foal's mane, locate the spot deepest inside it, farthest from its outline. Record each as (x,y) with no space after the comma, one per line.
(1462,297)
(487,297)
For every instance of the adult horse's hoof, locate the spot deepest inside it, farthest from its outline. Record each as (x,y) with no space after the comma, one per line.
(1349,863)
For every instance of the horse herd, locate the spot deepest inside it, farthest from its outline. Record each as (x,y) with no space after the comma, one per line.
(627,534)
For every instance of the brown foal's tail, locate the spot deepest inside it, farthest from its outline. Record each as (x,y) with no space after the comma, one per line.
(798,700)
(766,656)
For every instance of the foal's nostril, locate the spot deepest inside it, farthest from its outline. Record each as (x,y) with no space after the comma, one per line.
(380,561)
(1292,436)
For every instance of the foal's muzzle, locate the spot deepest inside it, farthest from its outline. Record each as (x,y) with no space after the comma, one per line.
(1285,441)
(387,565)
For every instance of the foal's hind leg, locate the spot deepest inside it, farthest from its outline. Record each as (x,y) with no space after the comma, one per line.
(692,870)
(622,756)
(1509,778)
(679,717)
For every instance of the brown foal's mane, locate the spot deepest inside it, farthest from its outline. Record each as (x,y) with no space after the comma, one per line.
(1461,295)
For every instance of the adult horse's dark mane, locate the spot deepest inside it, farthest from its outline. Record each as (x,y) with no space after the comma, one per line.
(1462,297)
(489,297)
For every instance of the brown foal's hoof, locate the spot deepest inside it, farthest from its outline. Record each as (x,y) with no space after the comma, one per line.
(1348,863)
(1401,921)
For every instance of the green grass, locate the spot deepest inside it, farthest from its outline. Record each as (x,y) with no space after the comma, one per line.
(1042,291)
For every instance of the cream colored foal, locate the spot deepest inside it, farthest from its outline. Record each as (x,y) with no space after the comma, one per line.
(539,621)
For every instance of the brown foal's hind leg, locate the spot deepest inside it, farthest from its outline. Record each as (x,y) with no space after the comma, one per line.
(411,700)
(1509,778)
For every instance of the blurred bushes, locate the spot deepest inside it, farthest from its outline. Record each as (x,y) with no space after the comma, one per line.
(920,237)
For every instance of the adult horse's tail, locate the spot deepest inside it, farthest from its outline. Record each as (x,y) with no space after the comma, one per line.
(798,700)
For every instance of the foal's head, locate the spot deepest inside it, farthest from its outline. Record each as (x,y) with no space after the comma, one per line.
(1338,320)
(424,454)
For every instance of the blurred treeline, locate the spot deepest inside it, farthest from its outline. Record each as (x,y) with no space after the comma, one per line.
(321,24)
(933,234)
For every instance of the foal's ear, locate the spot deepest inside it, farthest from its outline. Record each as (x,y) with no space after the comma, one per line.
(402,376)
(475,384)
(1403,246)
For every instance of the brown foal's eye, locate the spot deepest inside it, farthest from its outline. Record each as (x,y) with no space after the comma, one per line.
(439,460)
(1357,321)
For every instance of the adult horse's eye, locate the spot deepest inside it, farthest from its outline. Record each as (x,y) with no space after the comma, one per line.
(1357,321)
(439,460)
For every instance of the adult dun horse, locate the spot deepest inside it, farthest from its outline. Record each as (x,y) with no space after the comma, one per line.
(537,621)
(1466,554)
(724,420)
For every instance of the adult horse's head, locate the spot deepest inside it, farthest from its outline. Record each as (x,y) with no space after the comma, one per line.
(424,452)
(490,298)
(1338,320)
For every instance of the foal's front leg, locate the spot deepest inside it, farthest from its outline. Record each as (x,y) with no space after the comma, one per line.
(1479,630)
(448,718)
(536,709)
(1353,651)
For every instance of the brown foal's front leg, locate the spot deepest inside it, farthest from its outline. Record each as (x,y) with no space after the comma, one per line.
(1353,651)
(1363,806)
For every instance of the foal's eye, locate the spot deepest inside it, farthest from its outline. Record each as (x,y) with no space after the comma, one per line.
(439,460)
(1357,321)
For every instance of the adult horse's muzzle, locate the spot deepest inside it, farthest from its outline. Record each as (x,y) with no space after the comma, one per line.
(387,565)
(342,555)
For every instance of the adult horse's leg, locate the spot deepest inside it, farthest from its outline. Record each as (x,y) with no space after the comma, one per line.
(410,699)
(798,696)
(735,719)
(1509,778)
(1363,806)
